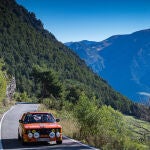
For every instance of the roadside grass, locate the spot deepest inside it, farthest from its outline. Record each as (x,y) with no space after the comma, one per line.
(139,130)
(69,124)
(138,137)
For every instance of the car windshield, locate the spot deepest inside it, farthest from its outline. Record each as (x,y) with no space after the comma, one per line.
(39,118)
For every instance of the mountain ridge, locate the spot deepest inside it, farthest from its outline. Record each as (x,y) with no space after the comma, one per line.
(124,54)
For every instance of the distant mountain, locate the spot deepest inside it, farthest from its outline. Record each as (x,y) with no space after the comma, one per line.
(122,60)
(88,51)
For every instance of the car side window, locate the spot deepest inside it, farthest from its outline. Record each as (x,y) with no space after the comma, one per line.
(26,119)
(23,116)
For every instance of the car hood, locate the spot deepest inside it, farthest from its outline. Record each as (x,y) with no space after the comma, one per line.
(41,125)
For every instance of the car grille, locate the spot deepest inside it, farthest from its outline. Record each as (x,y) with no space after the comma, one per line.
(44,131)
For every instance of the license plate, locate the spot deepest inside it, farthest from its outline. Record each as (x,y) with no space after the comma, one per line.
(52,142)
(43,139)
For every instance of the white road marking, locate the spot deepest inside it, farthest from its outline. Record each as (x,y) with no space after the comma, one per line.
(1,146)
(78,142)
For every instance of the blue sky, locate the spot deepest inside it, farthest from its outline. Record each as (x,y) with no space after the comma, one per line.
(94,20)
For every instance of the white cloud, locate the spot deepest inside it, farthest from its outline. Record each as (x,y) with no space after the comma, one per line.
(144,93)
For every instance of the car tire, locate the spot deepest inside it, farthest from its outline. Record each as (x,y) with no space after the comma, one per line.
(22,141)
(19,138)
(58,142)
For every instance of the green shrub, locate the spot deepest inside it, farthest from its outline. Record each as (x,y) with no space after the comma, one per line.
(103,127)
(22,97)
(3,81)
(52,103)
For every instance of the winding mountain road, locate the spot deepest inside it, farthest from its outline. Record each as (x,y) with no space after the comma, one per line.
(9,126)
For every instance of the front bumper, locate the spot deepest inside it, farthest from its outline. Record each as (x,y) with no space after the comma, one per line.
(42,138)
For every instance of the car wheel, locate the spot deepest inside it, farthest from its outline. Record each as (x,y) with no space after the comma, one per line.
(19,138)
(22,141)
(58,142)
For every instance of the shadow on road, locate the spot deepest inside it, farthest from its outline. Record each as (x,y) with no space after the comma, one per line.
(16,145)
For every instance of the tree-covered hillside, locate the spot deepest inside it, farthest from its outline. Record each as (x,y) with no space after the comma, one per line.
(25,44)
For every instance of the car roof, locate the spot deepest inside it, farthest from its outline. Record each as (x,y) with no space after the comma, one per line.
(38,112)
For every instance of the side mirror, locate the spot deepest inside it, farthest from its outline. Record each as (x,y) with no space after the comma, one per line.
(57,120)
(20,121)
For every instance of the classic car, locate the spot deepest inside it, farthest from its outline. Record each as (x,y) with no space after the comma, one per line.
(38,127)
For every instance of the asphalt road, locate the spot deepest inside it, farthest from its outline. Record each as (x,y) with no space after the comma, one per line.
(9,126)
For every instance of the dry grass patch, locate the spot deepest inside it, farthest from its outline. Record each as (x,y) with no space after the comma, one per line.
(70,125)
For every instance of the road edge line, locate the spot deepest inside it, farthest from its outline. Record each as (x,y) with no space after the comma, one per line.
(1,146)
(81,143)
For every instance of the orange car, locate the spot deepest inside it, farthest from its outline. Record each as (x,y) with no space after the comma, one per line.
(39,126)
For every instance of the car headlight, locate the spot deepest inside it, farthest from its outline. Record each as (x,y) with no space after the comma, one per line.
(58,134)
(36,135)
(52,135)
(30,135)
